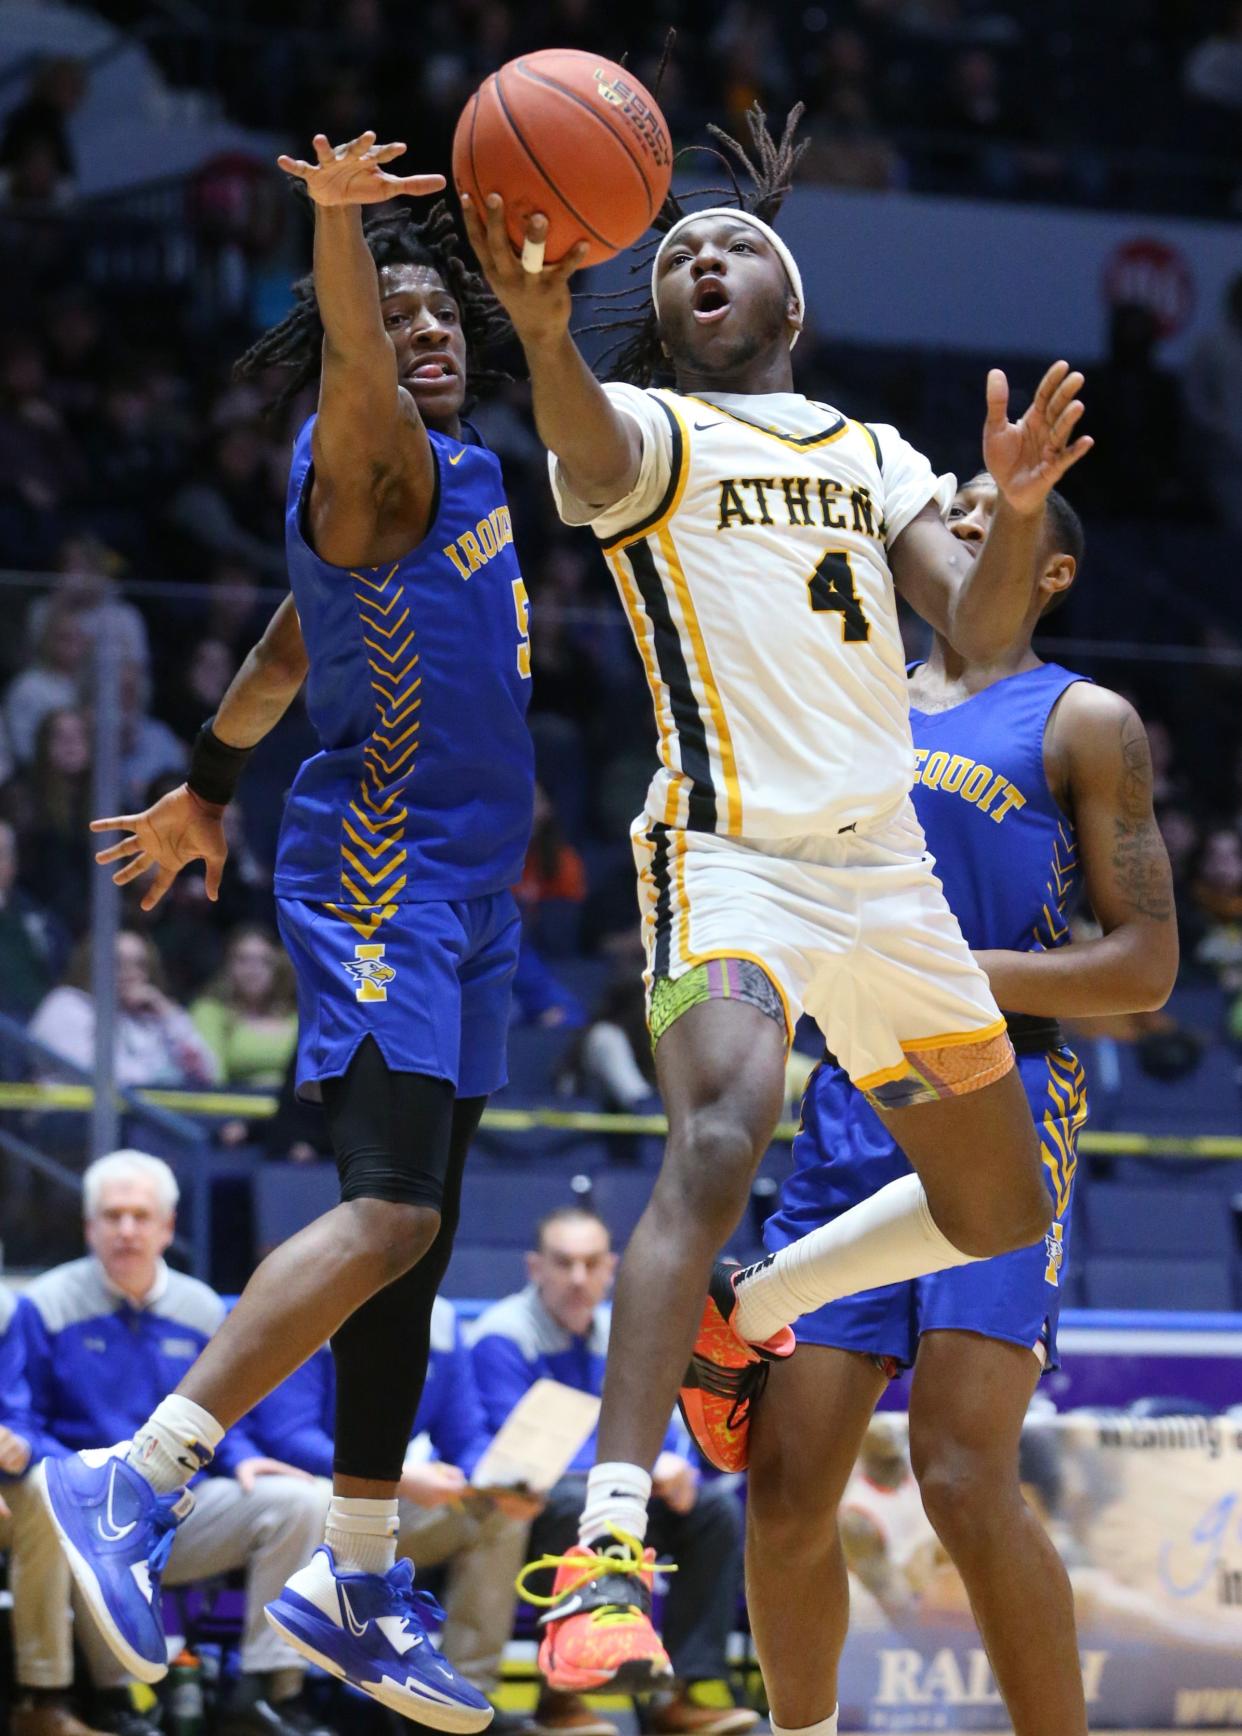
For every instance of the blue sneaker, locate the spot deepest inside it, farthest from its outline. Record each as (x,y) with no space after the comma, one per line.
(371,1630)
(116,1533)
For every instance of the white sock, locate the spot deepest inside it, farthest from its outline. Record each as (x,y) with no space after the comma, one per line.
(825,1727)
(617,1495)
(178,1439)
(888,1238)
(362,1535)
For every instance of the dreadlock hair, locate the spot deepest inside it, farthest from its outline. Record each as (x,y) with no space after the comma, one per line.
(768,167)
(396,238)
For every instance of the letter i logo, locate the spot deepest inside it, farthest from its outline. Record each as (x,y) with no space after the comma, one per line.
(371,975)
(1054,1246)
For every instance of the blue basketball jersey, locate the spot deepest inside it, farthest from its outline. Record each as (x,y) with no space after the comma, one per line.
(418,687)
(1006,855)
(1008,860)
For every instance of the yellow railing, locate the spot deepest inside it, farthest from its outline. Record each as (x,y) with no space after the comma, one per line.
(259,1106)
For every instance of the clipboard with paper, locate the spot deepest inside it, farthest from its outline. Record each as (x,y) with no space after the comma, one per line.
(539,1439)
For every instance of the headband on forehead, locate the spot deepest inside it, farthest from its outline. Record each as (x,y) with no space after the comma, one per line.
(737,216)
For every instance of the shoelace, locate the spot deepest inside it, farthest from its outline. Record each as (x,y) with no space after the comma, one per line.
(742,1385)
(157,1561)
(587,1569)
(417,1604)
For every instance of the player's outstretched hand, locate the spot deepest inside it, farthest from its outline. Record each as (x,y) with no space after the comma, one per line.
(177,830)
(354,174)
(535,296)
(1029,457)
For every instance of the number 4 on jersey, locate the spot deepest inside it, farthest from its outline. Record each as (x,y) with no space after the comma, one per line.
(831,586)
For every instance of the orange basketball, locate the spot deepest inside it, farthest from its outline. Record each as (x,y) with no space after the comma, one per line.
(573,136)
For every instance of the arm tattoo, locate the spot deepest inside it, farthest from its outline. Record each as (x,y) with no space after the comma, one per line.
(1140,866)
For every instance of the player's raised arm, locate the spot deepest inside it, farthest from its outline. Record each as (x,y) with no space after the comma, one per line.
(368,440)
(1098,741)
(187,825)
(599,449)
(979,605)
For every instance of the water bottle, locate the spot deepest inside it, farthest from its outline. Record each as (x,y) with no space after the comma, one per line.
(185,1696)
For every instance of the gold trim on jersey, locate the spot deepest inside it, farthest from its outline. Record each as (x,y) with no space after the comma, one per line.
(797,443)
(643,630)
(724,740)
(671,499)
(673,923)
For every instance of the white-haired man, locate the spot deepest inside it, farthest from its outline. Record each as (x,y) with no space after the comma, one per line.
(103,1337)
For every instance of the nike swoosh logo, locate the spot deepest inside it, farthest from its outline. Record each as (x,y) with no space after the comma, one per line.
(458,458)
(355,1627)
(109,1530)
(700,426)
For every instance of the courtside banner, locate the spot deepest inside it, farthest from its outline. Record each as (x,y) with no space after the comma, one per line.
(1146,1515)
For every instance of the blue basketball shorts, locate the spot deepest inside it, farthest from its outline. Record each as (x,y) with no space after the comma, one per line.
(844,1153)
(430,982)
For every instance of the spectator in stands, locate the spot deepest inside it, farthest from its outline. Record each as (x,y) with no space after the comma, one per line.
(38,1572)
(849,149)
(156,1040)
(557,1328)
(1136,420)
(50,806)
(41,469)
(149,749)
(553,869)
(1213,71)
(235,614)
(248,1016)
(53,682)
(1216,888)
(89,572)
(480,1539)
(1214,404)
(612,1058)
(76,354)
(227,510)
(539,997)
(101,1336)
(39,126)
(197,686)
(32,943)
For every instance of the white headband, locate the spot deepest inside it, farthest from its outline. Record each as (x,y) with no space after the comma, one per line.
(765,229)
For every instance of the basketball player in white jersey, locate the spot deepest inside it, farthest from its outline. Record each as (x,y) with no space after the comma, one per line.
(759,541)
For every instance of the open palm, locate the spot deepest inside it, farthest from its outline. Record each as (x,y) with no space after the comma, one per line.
(1029,457)
(354,174)
(175,831)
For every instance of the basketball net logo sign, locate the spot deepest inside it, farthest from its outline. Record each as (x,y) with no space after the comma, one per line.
(370,973)
(1153,275)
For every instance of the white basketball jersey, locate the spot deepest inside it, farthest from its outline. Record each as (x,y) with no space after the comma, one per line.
(752,560)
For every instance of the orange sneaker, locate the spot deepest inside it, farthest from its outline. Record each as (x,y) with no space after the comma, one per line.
(726,1376)
(597,1622)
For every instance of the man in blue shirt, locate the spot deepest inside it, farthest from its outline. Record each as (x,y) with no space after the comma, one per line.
(480,1538)
(38,1573)
(557,1329)
(103,1338)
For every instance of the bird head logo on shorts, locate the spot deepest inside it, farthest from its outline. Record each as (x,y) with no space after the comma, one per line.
(371,975)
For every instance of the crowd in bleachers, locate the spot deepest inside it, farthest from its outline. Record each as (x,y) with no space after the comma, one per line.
(1004,98)
(91,1345)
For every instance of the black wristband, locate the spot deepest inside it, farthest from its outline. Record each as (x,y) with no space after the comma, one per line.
(215,767)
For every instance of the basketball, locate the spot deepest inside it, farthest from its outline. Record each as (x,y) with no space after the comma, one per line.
(572,136)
